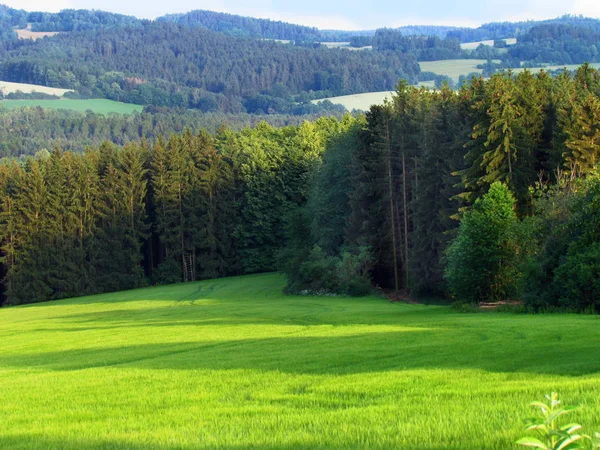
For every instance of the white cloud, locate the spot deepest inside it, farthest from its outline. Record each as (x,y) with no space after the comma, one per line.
(321,22)
(39,5)
(450,22)
(590,8)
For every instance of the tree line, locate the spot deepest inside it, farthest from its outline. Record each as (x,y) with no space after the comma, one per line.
(413,198)
(488,192)
(26,131)
(192,206)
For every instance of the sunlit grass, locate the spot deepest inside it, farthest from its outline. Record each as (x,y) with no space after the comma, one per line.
(235,364)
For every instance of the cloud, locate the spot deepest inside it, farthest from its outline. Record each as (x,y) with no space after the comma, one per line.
(321,22)
(39,5)
(590,8)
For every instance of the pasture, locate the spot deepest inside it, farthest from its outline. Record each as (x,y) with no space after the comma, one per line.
(99,106)
(345,45)
(8,87)
(359,101)
(26,33)
(453,68)
(489,43)
(234,363)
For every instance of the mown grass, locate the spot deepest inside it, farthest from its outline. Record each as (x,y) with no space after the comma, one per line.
(235,364)
(99,106)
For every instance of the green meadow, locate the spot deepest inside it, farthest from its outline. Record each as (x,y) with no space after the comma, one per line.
(453,68)
(234,364)
(99,106)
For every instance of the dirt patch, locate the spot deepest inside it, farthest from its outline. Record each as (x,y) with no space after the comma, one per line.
(401,296)
(495,305)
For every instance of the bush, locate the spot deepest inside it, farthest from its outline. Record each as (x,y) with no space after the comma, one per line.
(577,281)
(315,272)
(482,260)
(168,272)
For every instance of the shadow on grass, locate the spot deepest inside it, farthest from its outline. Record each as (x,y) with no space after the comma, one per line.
(408,349)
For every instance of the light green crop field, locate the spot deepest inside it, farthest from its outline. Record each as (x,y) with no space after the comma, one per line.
(453,68)
(7,87)
(359,101)
(235,364)
(99,106)
(489,43)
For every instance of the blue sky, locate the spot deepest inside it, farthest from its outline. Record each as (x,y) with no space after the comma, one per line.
(341,14)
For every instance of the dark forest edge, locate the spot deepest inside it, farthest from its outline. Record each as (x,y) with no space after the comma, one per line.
(400,198)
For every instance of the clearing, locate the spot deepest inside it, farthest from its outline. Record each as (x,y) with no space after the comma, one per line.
(7,87)
(358,101)
(26,33)
(345,45)
(234,364)
(453,68)
(490,43)
(99,106)
(363,102)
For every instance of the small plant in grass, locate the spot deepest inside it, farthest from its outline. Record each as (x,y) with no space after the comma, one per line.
(552,435)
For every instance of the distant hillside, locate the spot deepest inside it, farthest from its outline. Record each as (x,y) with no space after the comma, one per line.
(241,26)
(171,65)
(66,20)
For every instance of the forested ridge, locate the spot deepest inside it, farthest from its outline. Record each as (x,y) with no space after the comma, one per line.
(231,64)
(197,68)
(26,131)
(397,198)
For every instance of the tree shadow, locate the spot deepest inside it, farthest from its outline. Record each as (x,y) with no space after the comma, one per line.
(367,352)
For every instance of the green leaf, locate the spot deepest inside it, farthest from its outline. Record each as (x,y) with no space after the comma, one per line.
(570,444)
(572,427)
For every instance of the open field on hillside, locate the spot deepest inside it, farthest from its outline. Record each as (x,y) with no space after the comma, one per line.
(26,33)
(8,87)
(345,45)
(489,43)
(235,364)
(99,106)
(359,101)
(453,68)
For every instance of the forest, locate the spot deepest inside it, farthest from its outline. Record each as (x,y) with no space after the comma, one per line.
(398,199)
(198,68)
(215,62)
(25,131)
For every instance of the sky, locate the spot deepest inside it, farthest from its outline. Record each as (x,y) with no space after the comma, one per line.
(341,14)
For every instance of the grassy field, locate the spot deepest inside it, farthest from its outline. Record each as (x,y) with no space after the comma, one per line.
(99,106)
(234,364)
(490,43)
(359,101)
(453,68)
(26,33)
(8,87)
(345,45)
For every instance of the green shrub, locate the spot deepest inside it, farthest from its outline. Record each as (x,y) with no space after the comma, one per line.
(577,281)
(168,272)
(482,261)
(315,272)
